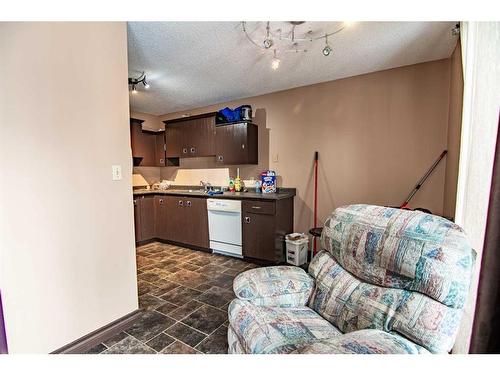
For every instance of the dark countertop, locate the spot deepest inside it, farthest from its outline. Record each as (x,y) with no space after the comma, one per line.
(282,193)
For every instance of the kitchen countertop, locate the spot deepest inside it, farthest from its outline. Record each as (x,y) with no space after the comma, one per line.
(282,193)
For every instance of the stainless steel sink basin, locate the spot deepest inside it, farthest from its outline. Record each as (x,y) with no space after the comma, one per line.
(186,190)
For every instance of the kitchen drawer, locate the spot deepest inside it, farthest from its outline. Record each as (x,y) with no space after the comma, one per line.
(259,207)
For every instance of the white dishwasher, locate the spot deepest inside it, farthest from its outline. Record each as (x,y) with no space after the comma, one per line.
(224,226)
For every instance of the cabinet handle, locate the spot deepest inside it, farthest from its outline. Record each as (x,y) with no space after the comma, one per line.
(184,150)
(220,158)
(181,203)
(161,161)
(161,200)
(256,207)
(135,202)
(188,203)
(192,150)
(243,146)
(247,220)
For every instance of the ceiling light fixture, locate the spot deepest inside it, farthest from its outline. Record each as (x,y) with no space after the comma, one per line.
(268,42)
(327,50)
(290,40)
(133,82)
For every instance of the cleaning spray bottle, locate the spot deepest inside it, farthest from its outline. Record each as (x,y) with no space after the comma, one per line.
(237,181)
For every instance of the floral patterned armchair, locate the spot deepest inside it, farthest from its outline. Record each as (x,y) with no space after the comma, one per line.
(386,281)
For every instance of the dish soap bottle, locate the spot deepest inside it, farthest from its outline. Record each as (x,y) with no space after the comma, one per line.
(237,181)
(231,185)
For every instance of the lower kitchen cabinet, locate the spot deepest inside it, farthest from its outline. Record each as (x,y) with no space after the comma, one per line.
(187,220)
(161,218)
(144,223)
(265,224)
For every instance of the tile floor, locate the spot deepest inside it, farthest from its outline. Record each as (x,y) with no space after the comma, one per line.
(184,295)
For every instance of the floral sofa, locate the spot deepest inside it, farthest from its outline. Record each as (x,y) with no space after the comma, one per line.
(386,281)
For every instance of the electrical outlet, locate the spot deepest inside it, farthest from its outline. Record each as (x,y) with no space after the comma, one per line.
(116,172)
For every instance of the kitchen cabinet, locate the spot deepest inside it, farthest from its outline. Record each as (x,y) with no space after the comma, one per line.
(161,218)
(137,219)
(184,220)
(148,147)
(144,218)
(187,220)
(264,226)
(160,149)
(236,143)
(190,137)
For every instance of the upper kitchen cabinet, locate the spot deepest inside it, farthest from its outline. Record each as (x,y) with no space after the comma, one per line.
(236,143)
(190,136)
(148,147)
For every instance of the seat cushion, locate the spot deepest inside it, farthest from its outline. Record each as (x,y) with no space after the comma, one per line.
(367,341)
(263,329)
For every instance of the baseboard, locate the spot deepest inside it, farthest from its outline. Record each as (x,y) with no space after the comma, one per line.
(192,247)
(86,342)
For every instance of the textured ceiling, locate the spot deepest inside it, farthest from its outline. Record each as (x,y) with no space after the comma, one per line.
(194,64)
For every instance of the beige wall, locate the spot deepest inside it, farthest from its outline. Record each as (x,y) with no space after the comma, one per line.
(454,129)
(376,135)
(67,238)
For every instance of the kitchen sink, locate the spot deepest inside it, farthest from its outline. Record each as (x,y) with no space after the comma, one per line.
(186,190)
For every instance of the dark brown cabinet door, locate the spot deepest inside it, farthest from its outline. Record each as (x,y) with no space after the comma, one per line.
(196,224)
(236,144)
(143,145)
(160,149)
(175,225)
(175,137)
(190,137)
(259,236)
(137,219)
(201,137)
(161,216)
(147,207)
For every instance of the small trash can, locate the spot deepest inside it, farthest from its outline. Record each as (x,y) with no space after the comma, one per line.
(296,248)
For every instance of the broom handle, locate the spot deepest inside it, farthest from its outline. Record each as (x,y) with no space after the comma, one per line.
(422,180)
(315,198)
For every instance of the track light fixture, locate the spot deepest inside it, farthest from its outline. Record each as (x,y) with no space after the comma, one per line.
(280,40)
(133,82)
(327,50)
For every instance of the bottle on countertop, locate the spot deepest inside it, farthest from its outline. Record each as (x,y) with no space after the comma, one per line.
(237,181)
(231,185)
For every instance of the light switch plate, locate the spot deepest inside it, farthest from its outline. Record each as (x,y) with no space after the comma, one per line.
(116,171)
(275,158)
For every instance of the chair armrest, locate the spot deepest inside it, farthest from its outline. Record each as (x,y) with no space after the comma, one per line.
(282,286)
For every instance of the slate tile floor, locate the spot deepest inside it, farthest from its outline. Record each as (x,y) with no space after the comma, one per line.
(184,295)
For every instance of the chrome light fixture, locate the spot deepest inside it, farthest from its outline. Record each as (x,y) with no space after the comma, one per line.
(268,42)
(133,82)
(327,50)
(290,40)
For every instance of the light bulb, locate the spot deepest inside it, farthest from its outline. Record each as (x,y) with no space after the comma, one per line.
(134,90)
(146,86)
(268,43)
(349,23)
(327,50)
(275,64)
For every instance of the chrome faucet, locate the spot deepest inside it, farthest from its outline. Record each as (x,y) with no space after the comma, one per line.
(207,186)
